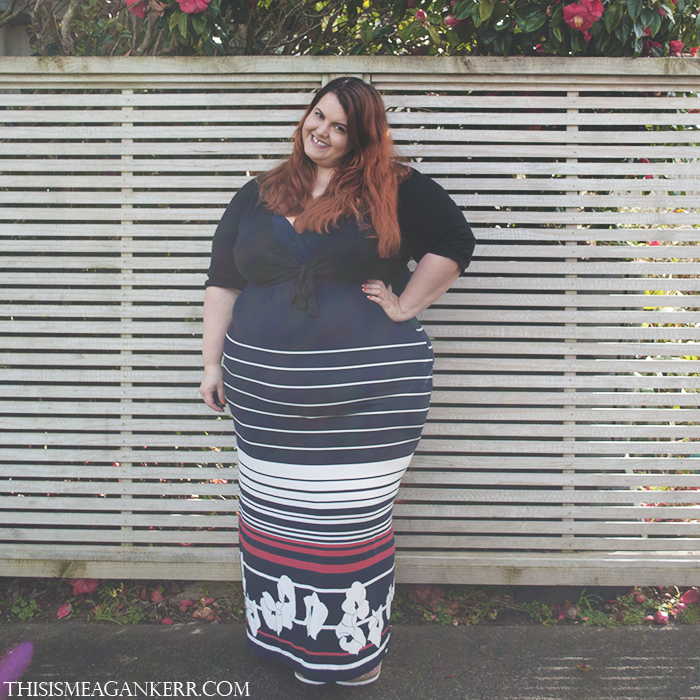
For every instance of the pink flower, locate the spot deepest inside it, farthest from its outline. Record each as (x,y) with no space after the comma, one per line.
(583,16)
(690,596)
(649,46)
(83,585)
(675,48)
(166,621)
(694,51)
(64,611)
(138,7)
(421,16)
(190,7)
(661,617)
(539,48)
(640,597)
(450,21)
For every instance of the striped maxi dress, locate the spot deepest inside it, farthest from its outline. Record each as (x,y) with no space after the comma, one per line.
(328,398)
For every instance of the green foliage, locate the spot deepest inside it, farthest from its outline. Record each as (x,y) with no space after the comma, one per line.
(23,608)
(690,616)
(539,612)
(387,27)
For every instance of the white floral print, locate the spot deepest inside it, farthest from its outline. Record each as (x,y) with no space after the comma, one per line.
(316,614)
(356,609)
(287,601)
(252,615)
(272,612)
(355,602)
(374,631)
(350,636)
(389,599)
(281,613)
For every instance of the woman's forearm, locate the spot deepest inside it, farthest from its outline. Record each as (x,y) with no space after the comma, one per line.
(218,305)
(433,276)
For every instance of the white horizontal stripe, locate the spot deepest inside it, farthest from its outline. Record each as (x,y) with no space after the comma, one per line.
(324,500)
(303,536)
(325,352)
(312,472)
(327,386)
(318,667)
(329,403)
(316,486)
(312,518)
(339,368)
(312,449)
(384,574)
(342,415)
(335,496)
(331,432)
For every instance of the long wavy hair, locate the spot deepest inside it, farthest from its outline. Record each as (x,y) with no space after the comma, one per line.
(365,183)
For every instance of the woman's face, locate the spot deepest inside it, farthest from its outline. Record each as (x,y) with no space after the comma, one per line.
(325,134)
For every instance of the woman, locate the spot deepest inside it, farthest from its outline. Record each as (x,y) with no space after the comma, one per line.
(328,375)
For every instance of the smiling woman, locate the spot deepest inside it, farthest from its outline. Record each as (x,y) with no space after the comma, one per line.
(328,375)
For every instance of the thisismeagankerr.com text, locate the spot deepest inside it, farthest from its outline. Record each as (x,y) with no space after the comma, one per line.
(124,689)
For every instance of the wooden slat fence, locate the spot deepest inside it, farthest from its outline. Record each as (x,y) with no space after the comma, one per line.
(562,445)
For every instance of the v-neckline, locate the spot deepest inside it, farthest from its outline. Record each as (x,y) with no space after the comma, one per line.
(302,246)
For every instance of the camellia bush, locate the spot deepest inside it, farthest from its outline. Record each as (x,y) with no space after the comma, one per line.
(394,27)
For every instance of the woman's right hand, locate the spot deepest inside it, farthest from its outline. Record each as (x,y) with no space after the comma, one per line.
(213,385)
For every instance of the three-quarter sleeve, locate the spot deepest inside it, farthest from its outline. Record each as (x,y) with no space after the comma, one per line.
(431,222)
(222,268)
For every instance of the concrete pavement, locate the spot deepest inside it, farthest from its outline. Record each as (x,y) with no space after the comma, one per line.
(426,662)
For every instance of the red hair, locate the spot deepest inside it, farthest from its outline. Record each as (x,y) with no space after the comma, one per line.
(364,185)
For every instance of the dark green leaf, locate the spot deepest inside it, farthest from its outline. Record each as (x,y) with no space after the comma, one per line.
(655,24)
(174,19)
(623,30)
(399,8)
(638,46)
(464,9)
(485,10)
(406,33)
(530,18)
(182,25)
(199,22)
(612,16)
(634,8)
(434,35)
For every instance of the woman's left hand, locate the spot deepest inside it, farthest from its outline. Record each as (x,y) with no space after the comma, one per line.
(379,293)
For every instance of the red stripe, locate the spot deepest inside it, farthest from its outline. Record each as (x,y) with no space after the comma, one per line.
(279,640)
(345,549)
(311,566)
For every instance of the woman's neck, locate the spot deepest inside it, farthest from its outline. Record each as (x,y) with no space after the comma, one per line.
(323,177)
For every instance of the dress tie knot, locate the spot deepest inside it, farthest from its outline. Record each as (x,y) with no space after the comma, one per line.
(304,292)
